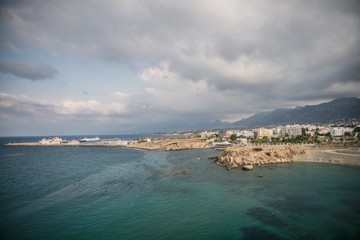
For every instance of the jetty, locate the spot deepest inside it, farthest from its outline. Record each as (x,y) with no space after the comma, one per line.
(59,142)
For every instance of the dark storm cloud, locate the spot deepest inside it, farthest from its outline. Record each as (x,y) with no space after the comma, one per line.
(229,44)
(28,70)
(245,56)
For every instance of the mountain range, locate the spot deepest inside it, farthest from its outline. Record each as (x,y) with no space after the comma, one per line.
(335,110)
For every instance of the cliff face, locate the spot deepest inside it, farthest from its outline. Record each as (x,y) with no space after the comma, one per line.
(238,157)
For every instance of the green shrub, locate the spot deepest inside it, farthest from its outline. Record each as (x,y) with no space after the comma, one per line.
(257,149)
(268,154)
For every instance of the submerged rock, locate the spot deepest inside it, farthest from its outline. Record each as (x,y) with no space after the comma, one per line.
(177,172)
(248,167)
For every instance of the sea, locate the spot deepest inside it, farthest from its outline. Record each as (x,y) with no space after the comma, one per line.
(120,193)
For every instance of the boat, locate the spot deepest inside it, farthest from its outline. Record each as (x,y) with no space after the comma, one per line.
(95,139)
(55,140)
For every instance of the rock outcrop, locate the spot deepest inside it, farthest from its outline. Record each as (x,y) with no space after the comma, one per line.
(235,157)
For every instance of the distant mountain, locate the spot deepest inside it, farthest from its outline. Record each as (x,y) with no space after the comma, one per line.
(338,109)
(217,124)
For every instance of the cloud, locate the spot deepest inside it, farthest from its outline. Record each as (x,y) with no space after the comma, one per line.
(58,110)
(24,115)
(172,97)
(197,59)
(226,44)
(121,94)
(29,71)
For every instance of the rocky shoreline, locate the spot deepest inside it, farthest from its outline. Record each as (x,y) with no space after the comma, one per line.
(248,157)
(235,157)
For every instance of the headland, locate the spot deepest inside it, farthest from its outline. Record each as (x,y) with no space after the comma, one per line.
(250,156)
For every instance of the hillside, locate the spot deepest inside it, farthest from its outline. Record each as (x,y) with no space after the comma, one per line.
(338,109)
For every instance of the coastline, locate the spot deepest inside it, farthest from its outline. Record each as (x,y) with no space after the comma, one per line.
(170,144)
(245,157)
(167,144)
(332,156)
(250,156)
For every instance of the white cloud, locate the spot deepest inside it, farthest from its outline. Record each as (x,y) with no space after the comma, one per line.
(169,90)
(121,94)
(22,105)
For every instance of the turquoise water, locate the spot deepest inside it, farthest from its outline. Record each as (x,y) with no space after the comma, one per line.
(117,193)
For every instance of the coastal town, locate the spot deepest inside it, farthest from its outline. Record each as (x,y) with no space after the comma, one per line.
(245,148)
(279,135)
(288,134)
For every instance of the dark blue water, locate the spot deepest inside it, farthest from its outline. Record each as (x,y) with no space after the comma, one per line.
(117,193)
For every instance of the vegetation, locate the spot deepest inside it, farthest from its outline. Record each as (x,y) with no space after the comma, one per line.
(357,129)
(233,137)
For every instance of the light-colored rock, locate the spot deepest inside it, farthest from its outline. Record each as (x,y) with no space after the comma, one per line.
(240,156)
(248,167)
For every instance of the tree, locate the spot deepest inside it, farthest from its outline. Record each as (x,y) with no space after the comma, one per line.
(233,137)
(357,129)
(347,134)
(303,131)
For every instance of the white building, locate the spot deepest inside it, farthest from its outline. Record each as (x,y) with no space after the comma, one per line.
(293,130)
(207,134)
(245,133)
(337,132)
(278,131)
(264,132)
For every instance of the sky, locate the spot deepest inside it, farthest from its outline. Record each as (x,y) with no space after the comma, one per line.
(130,66)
